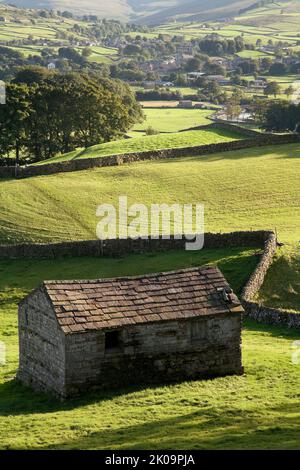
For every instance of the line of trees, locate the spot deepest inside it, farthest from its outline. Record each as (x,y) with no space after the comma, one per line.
(219,47)
(52,114)
(282,117)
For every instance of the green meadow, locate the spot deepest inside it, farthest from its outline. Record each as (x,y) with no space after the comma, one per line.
(257,188)
(253,188)
(147,143)
(173,120)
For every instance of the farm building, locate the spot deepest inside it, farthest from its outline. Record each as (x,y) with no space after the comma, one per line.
(80,335)
(186,104)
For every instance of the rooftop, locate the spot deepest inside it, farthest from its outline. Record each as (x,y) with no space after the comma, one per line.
(110,303)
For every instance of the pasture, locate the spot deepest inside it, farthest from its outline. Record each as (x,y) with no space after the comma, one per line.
(147,143)
(252,188)
(173,120)
(255,188)
(256,411)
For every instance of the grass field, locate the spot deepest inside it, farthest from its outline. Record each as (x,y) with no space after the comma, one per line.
(258,410)
(281,288)
(173,120)
(253,188)
(250,189)
(146,143)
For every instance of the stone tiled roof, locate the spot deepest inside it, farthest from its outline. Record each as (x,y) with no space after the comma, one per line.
(110,303)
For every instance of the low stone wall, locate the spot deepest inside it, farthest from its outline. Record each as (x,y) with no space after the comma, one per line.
(226,126)
(265,240)
(115,160)
(257,311)
(271,316)
(257,278)
(120,247)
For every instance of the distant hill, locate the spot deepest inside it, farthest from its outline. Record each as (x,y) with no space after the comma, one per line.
(153,11)
(144,11)
(118,9)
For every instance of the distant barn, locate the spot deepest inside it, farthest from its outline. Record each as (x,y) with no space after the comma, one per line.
(76,336)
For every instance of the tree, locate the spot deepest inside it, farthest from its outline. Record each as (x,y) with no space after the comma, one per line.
(193,65)
(259,108)
(65,112)
(289,91)
(86,52)
(32,74)
(272,88)
(71,54)
(233,107)
(278,69)
(13,120)
(132,49)
(282,117)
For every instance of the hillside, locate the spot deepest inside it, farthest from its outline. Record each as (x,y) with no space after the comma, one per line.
(149,143)
(117,9)
(255,188)
(148,11)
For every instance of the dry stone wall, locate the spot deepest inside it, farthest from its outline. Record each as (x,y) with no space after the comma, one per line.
(265,240)
(256,310)
(120,247)
(258,140)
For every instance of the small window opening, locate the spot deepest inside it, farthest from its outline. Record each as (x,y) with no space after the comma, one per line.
(112,340)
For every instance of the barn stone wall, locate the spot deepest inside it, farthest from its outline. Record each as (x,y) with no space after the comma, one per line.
(41,345)
(155,353)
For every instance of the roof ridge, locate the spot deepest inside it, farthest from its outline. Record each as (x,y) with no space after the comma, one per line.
(136,277)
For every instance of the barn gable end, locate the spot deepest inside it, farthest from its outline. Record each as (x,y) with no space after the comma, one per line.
(41,344)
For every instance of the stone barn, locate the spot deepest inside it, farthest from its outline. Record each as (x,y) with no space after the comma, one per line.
(77,336)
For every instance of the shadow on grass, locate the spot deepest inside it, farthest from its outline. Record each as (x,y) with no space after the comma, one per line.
(203,429)
(276,331)
(17,399)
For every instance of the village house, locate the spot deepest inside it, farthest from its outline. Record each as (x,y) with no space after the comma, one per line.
(220,79)
(76,336)
(259,84)
(191,76)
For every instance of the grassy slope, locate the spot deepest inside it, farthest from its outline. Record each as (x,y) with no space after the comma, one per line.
(259,410)
(146,143)
(117,9)
(263,23)
(281,288)
(254,188)
(45,28)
